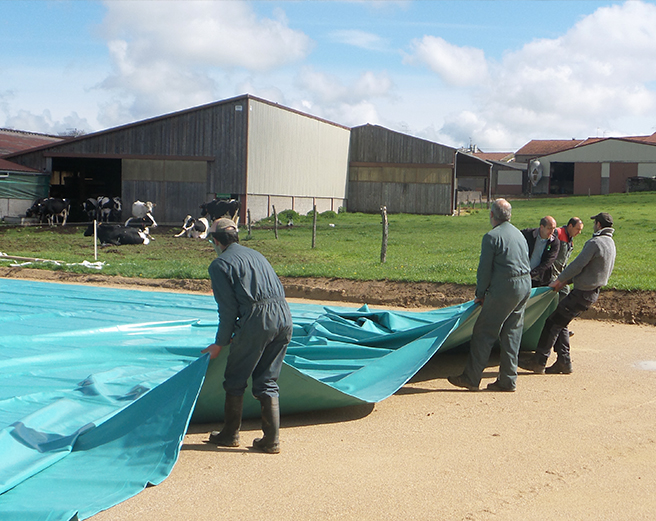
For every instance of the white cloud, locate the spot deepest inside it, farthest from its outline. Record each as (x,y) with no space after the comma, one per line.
(44,123)
(165,55)
(361,39)
(457,66)
(597,75)
(326,88)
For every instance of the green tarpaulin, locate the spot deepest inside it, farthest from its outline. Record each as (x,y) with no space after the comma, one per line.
(97,385)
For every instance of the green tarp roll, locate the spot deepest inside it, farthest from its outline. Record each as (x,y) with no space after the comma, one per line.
(97,385)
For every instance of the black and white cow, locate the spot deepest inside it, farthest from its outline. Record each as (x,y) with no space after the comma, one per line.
(116,234)
(195,228)
(50,209)
(142,215)
(109,208)
(221,208)
(90,207)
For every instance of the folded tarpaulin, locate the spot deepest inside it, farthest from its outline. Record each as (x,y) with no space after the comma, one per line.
(97,384)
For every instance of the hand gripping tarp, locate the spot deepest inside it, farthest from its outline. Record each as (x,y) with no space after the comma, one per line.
(97,385)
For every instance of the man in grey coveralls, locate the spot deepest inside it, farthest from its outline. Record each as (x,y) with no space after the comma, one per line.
(254,319)
(503,286)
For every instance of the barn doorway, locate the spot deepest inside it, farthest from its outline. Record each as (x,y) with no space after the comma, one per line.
(562,178)
(78,178)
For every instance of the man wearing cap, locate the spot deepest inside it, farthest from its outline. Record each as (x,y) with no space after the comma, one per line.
(503,286)
(589,271)
(543,247)
(254,319)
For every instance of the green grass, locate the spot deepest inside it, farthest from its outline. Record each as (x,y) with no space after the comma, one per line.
(420,248)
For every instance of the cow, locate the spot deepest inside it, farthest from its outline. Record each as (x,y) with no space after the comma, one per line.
(50,209)
(221,208)
(195,228)
(116,234)
(142,215)
(90,207)
(109,208)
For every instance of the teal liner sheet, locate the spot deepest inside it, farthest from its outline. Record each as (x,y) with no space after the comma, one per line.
(98,385)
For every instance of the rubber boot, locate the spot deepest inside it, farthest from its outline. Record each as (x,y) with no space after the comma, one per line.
(229,435)
(270,442)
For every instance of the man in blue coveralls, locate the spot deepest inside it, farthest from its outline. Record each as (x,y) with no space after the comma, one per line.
(503,286)
(254,319)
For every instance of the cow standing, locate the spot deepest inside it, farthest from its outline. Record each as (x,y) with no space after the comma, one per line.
(221,208)
(142,215)
(50,209)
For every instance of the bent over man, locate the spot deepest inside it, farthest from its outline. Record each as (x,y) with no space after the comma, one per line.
(503,286)
(589,271)
(543,247)
(254,319)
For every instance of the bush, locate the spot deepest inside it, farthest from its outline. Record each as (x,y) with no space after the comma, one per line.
(287,215)
(328,214)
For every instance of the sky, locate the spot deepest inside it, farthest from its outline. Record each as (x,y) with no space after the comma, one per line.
(495,74)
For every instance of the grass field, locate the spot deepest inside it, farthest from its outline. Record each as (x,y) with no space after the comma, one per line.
(420,247)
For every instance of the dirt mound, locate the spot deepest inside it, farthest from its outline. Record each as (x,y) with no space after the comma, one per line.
(633,307)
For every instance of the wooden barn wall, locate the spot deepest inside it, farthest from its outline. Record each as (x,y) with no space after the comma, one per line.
(399,197)
(402,189)
(373,144)
(218,131)
(290,154)
(177,188)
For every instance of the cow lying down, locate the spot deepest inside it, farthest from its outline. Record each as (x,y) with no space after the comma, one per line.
(195,228)
(116,234)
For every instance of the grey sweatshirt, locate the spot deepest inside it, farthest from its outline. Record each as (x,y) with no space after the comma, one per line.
(592,267)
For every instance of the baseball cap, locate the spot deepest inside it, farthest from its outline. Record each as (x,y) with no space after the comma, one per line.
(605,219)
(223,224)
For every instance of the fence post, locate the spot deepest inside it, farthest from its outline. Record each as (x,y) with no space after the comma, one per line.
(314,225)
(95,240)
(275,221)
(383,249)
(248,222)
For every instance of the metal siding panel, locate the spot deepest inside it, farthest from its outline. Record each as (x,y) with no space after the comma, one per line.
(292,154)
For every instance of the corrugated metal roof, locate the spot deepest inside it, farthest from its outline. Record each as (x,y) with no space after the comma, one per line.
(18,140)
(8,166)
(544,147)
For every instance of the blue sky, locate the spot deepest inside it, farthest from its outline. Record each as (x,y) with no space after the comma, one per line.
(492,73)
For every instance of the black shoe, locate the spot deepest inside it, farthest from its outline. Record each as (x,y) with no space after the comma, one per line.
(461,381)
(559,368)
(532,365)
(496,386)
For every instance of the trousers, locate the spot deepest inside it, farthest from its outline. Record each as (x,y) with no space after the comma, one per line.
(501,318)
(258,349)
(555,333)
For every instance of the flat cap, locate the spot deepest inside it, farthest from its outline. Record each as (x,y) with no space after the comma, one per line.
(603,218)
(223,224)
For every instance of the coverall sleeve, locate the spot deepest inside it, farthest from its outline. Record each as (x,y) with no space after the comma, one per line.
(485,265)
(224,294)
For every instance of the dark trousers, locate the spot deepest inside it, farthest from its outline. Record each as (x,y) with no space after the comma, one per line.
(555,333)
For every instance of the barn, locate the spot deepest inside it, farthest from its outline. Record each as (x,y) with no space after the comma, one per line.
(19,187)
(406,174)
(245,148)
(588,167)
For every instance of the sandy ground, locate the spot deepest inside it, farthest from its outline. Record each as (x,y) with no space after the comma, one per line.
(579,446)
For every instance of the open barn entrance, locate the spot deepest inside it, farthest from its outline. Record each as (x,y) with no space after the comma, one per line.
(78,178)
(562,178)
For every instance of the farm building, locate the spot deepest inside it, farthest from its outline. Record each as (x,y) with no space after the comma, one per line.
(507,176)
(246,148)
(19,187)
(590,166)
(407,174)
